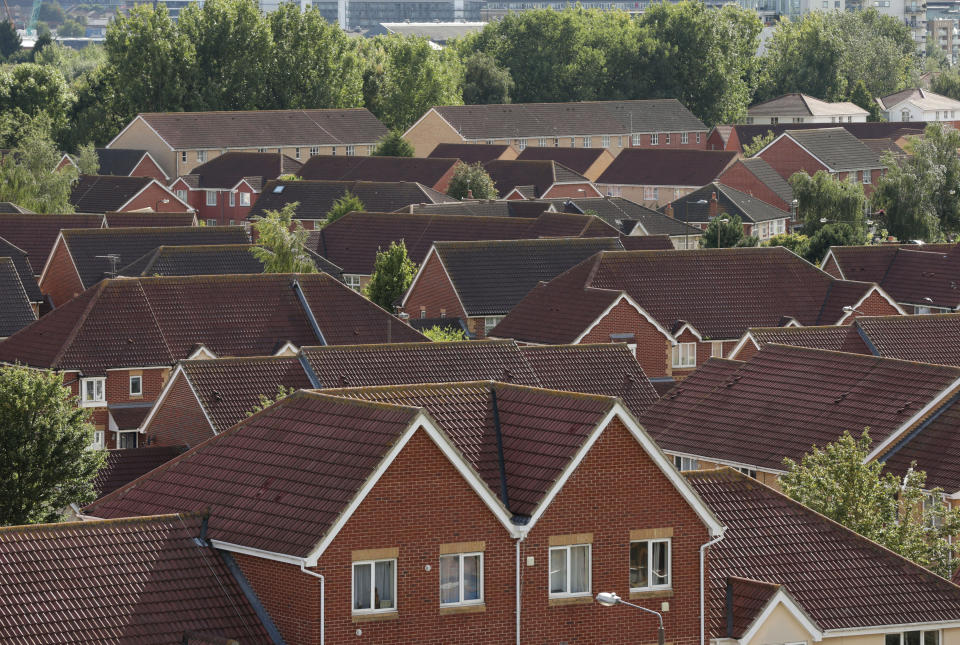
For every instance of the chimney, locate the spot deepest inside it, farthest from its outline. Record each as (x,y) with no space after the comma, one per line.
(469,193)
(668,210)
(713,205)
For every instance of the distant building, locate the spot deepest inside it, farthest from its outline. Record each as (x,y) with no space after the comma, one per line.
(918,104)
(800,108)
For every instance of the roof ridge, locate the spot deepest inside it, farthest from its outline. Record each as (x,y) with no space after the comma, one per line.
(865,357)
(406,345)
(98,522)
(289,110)
(153,317)
(6,241)
(484,384)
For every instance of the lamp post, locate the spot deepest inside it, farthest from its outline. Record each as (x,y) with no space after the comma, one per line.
(611,599)
(719,238)
(686,217)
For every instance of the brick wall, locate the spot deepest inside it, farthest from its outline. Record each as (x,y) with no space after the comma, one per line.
(153,198)
(874,305)
(291,597)
(223,213)
(61,280)
(748,351)
(432,293)
(147,168)
(786,157)
(833,268)
(653,349)
(572,190)
(428,132)
(179,420)
(647,500)
(739,177)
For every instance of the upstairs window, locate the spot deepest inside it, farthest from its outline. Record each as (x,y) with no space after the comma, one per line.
(520,143)
(606,141)
(649,565)
(136,386)
(666,139)
(635,139)
(211,198)
(686,463)
(93,390)
(314,151)
(588,142)
(183,156)
(865,176)
(201,155)
(913,637)
(296,153)
(698,137)
(351,151)
(489,323)
(233,198)
(461,579)
(374,586)
(774,120)
(684,138)
(182,195)
(244,199)
(542,142)
(655,139)
(684,355)
(570,570)
(651,193)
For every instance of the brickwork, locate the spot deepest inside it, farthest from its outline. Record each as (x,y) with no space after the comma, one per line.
(147,168)
(873,305)
(222,212)
(291,597)
(428,132)
(747,352)
(152,197)
(833,268)
(60,281)
(653,348)
(579,191)
(739,177)
(786,157)
(179,420)
(433,292)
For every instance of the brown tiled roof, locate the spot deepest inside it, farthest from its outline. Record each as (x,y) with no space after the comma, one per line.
(929,339)
(794,104)
(23,268)
(469,152)
(771,538)
(88,247)
(538,175)
(353,240)
(872,130)
(838,338)
(316,198)
(307,456)
(142,322)
(123,466)
(10,207)
(229,388)
(747,287)
(746,601)
(129,416)
(769,177)
(626,216)
(666,167)
(15,310)
(428,172)
(934,449)
(784,400)
(265,128)
(138,219)
(139,580)
(36,234)
(564,119)
(485,208)
(102,193)
(576,159)
(909,273)
(228,169)
(198,259)
(646,243)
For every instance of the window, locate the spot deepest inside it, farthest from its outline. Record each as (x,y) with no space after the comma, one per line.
(749,120)
(211,198)
(905,115)
(684,138)
(489,142)
(542,142)
(685,355)
(570,570)
(374,586)
(211,222)
(921,310)
(651,193)
(244,199)
(351,151)
(588,142)
(296,153)
(798,119)
(461,579)
(136,386)
(261,149)
(620,142)
(556,142)
(655,139)
(333,150)
(649,565)
(749,472)
(914,637)
(666,139)
(353,281)
(833,119)
(635,140)
(98,440)
(606,141)
(698,137)
(865,176)
(573,142)
(774,120)
(233,198)
(489,323)
(183,156)
(423,313)
(201,155)
(182,195)
(314,151)
(127,440)
(716,349)
(92,390)
(686,463)
(520,143)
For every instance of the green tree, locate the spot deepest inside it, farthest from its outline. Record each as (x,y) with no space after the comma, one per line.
(796,242)
(393,145)
(484,81)
(839,234)
(73,63)
(821,199)
(758,143)
(94,115)
(27,175)
(282,242)
(87,160)
(920,192)
(471,181)
(347,203)
(898,513)
(860,96)
(72,29)
(265,401)
(393,272)
(29,90)
(947,82)
(729,232)
(9,39)
(440,334)
(47,461)
(51,12)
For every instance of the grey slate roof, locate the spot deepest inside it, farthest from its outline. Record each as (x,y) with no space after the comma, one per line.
(836,148)
(197,259)
(24,269)
(490,277)
(769,177)
(796,103)
(487,208)
(119,161)
(729,200)
(15,310)
(627,215)
(10,207)
(565,119)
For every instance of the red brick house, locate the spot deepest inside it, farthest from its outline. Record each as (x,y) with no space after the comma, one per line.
(545,179)
(654,177)
(36,234)
(589,162)
(679,308)
(223,190)
(102,194)
(735,137)
(117,342)
(516,558)
(832,150)
(80,258)
(700,207)
(433,172)
(757,178)
(121,162)
(205,397)
(480,282)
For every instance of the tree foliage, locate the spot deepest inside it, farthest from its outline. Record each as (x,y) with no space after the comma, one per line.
(821,197)
(440,334)
(839,234)
(946,82)
(896,512)
(729,233)
(796,242)
(347,203)
(9,40)
(87,160)
(27,175)
(393,145)
(72,29)
(860,96)
(282,242)
(28,91)
(473,181)
(484,81)
(758,143)
(393,271)
(265,401)
(47,461)
(920,192)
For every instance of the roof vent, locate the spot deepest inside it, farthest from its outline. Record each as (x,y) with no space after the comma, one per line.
(216,395)
(843,395)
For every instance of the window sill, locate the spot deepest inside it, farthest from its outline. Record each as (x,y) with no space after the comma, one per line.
(93,404)
(654,593)
(573,600)
(376,617)
(463,609)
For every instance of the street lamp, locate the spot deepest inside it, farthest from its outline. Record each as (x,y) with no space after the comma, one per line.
(611,599)
(850,310)
(686,208)
(719,238)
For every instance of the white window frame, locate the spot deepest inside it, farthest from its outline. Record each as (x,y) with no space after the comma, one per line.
(93,403)
(333,151)
(244,199)
(296,153)
(698,137)
(99,440)
(352,280)
(233,199)
(460,556)
(136,439)
(651,193)
(678,357)
(588,142)
(635,139)
(351,151)
(181,195)
(373,586)
(746,470)
(666,139)
(542,142)
(569,594)
(211,194)
(655,139)
(138,379)
(183,156)
(901,635)
(716,349)
(314,151)
(489,322)
(211,221)
(774,120)
(606,141)
(684,138)
(865,177)
(201,155)
(686,463)
(749,120)
(650,543)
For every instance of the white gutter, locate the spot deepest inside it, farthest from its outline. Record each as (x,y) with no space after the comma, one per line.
(519,540)
(322,581)
(702,593)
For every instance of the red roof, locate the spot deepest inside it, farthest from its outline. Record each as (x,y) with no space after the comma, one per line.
(36,234)
(748,599)
(428,172)
(127,219)
(143,322)
(785,400)
(666,167)
(840,579)
(123,466)
(142,580)
(838,338)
